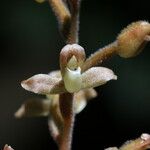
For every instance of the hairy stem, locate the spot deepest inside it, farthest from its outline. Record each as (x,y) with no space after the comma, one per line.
(63,15)
(73,33)
(99,56)
(66,108)
(74,27)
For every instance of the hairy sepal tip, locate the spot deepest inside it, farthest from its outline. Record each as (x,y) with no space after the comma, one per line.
(43,84)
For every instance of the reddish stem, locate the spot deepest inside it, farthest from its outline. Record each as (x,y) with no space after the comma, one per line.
(100,55)
(66,108)
(74,26)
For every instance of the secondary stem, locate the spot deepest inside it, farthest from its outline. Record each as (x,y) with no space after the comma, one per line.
(99,56)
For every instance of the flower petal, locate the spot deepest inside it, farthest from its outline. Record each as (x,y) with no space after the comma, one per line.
(81,98)
(43,84)
(80,101)
(55,74)
(33,108)
(53,129)
(90,93)
(97,76)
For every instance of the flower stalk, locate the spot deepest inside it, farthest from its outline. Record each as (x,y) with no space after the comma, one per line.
(100,56)
(66,107)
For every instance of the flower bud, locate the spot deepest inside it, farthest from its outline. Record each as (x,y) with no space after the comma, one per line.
(133,39)
(7,147)
(40,1)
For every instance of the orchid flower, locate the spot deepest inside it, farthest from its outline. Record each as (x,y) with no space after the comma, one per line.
(70,79)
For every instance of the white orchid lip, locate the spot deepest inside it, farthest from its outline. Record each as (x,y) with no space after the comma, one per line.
(73,80)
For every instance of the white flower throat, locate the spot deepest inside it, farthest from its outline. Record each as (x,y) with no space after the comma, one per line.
(72,77)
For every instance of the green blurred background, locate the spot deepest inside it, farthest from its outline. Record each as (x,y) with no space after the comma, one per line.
(30,44)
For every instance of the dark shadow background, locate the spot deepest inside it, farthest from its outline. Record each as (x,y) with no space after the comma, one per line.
(30,44)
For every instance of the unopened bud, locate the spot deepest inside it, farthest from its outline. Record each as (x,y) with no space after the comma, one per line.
(7,147)
(40,1)
(145,136)
(133,39)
